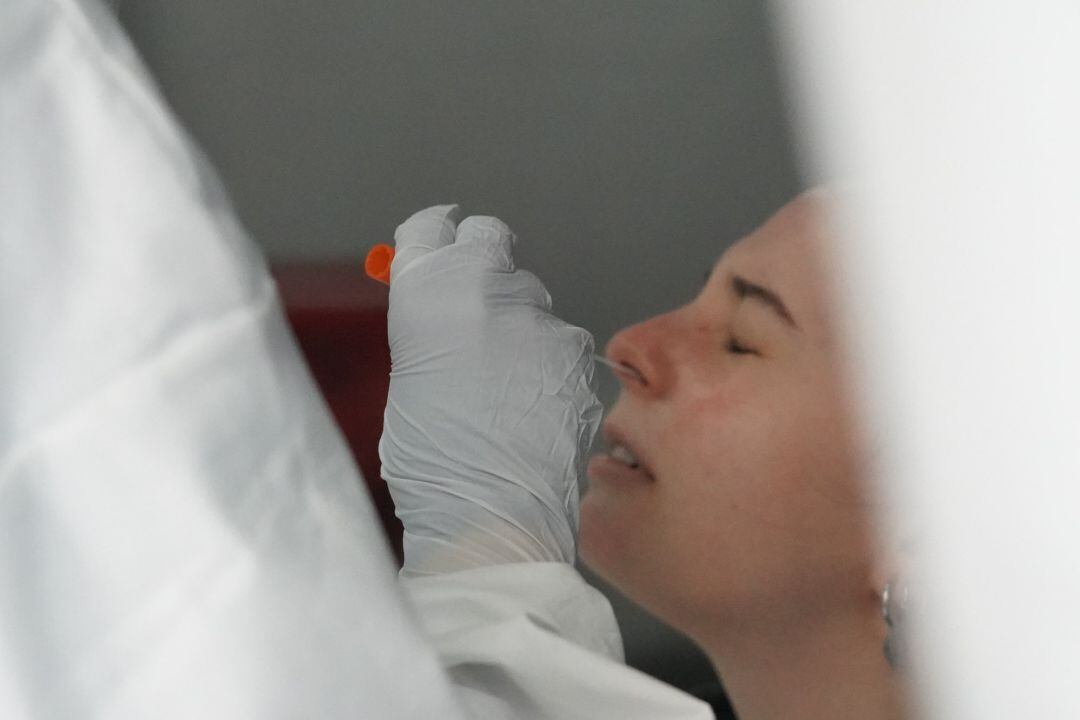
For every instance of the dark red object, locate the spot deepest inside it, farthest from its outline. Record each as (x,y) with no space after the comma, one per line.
(339,317)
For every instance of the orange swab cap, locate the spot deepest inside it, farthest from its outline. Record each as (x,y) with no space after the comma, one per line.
(377,264)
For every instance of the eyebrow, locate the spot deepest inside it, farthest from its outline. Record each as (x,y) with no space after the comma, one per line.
(745,289)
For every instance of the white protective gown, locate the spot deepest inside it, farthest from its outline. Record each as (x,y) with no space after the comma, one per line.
(183,533)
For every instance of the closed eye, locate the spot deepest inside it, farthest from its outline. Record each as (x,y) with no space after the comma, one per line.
(736,348)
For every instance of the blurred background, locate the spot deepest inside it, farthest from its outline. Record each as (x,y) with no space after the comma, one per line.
(626,142)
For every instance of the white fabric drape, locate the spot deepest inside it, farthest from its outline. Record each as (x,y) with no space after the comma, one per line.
(182,531)
(953,126)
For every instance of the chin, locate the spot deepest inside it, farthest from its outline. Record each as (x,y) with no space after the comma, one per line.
(607,542)
(610,547)
(599,537)
(590,534)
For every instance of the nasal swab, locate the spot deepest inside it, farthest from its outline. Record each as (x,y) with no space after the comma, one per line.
(619,367)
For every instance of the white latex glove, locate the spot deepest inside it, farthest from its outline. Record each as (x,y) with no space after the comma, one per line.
(490,414)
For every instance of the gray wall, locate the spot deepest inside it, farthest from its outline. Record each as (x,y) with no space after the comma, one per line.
(627,143)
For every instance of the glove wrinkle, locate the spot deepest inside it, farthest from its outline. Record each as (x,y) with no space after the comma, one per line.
(490,408)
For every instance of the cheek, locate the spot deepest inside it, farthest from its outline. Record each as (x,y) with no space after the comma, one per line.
(719,433)
(767,446)
(716,442)
(763,505)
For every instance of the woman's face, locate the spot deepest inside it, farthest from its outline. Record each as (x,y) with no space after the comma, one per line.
(746,505)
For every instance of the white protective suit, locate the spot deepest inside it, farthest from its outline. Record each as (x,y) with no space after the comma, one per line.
(182,532)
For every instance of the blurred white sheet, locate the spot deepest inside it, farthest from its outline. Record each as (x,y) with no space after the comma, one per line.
(182,531)
(955,127)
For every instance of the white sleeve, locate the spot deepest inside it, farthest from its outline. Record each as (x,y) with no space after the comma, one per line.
(182,531)
(534,640)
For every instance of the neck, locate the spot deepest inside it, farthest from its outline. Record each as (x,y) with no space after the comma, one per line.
(829,666)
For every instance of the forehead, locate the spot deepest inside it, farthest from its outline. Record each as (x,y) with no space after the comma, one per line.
(787,254)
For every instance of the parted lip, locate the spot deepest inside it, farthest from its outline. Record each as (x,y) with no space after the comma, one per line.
(616,435)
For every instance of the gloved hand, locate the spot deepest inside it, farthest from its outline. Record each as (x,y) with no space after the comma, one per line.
(490,414)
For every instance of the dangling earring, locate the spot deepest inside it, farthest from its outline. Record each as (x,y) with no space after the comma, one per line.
(894,606)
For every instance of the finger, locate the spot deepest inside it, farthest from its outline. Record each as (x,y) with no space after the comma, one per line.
(491,237)
(519,287)
(424,232)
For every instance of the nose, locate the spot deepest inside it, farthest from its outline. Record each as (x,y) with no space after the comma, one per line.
(643,348)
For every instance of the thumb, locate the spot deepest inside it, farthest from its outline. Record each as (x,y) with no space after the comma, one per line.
(491,238)
(424,232)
